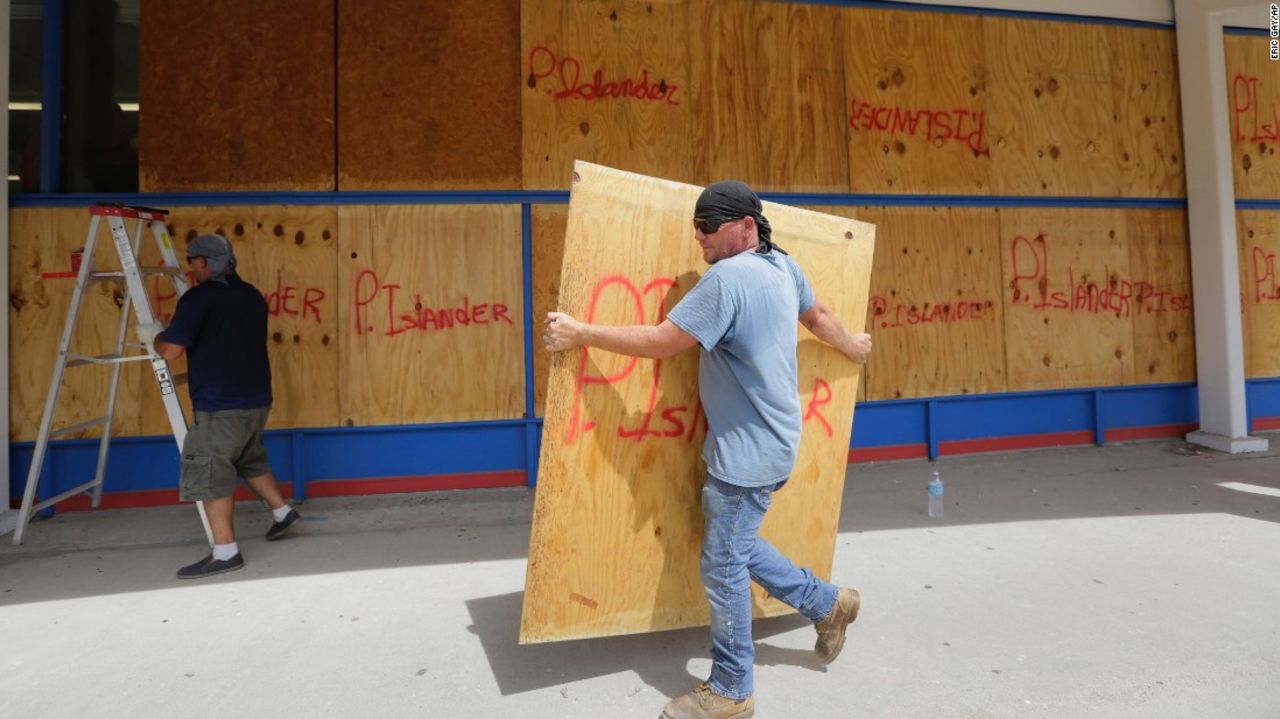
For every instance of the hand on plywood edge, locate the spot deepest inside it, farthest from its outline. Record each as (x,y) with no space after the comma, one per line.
(561,332)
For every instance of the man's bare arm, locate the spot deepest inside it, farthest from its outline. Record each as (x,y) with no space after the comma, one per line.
(822,322)
(562,332)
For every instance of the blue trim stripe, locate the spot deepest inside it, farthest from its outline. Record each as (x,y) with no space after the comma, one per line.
(990,12)
(1254,31)
(1258,204)
(534,197)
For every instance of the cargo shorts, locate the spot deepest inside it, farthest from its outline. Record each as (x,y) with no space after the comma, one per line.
(220,448)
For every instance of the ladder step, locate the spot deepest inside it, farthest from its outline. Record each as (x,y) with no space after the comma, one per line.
(76,360)
(69,493)
(77,427)
(146,271)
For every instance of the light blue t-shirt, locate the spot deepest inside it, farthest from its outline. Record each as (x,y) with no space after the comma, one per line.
(744,312)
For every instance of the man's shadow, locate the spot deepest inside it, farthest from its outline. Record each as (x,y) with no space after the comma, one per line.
(660,659)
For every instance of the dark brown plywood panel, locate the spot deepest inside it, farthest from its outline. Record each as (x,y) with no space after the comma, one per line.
(428,95)
(236,95)
(607,82)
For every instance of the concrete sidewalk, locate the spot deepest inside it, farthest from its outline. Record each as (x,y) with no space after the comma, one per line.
(1123,581)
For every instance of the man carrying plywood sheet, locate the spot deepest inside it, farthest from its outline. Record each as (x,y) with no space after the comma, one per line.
(742,313)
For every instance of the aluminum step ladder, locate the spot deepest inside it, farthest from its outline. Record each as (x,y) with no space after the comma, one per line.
(135,295)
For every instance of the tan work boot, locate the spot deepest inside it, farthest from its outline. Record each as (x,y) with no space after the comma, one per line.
(703,703)
(831,630)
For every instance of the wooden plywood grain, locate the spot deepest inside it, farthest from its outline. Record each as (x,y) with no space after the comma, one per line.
(1052,115)
(40,241)
(427,95)
(917,103)
(290,254)
(1148,127)
(238,96)
(1069,300)
(1160,265)
(771,77)
(549,223)
(1253,82)
(607,82)
(1259,236)
(430,314)
(936,311)
(614,547)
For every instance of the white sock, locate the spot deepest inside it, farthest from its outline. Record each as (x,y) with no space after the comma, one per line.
(223,552)
(279,513)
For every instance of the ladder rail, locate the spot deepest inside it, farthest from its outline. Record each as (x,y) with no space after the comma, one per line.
(55,384)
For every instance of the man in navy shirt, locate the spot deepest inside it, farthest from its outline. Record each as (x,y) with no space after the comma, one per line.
(221,324)
(743,314)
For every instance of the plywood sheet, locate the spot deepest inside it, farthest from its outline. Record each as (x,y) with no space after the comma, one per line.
(430,314)
(290,253)
(1148,127)
(237,96)
(549,223)
(917,109)
(1163,327)
(614,547)
(1253,82)
(607,82)
(1052,115)
(1259,233)
(427,94)
(40,241)
(936,310)
(1069,298)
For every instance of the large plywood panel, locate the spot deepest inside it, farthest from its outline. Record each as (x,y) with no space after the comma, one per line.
(1052,116)
(607,82)
(427,94)
(549,223)
(40,241)
(614,547)
(917,107)
(237,96)
(936,311)
(430,314)
(1148,129)
(1254,84)
(290,254)
(1163,327)
(1259,236)
(1069,298)
(771,75)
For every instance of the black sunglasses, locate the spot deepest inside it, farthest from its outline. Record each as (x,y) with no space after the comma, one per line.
(710,227)
(191,258)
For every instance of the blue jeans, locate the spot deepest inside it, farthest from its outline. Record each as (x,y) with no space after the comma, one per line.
(732,556)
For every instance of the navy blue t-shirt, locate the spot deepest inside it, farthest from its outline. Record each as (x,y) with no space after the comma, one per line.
(224,329)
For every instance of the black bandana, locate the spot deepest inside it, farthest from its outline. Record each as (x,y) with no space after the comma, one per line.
(732,200)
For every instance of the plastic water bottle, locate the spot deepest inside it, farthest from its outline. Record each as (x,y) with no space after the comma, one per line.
(935,496)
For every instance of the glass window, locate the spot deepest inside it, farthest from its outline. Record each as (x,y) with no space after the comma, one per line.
(100,96)
(24,95)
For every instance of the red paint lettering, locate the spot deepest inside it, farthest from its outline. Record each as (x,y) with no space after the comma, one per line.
(567,71)
(821,395)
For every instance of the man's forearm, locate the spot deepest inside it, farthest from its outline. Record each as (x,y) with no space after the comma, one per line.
(828,329)
(632,340)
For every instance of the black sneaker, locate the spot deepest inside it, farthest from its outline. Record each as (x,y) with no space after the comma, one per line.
(209,566)
(279,528)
